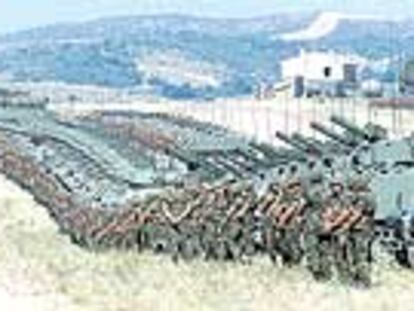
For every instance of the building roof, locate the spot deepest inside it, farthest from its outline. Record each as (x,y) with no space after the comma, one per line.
(328,56)
(311,64)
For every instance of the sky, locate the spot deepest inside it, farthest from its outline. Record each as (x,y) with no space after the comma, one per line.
(22,14)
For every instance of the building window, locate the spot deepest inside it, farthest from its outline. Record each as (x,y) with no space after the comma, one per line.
(327,72)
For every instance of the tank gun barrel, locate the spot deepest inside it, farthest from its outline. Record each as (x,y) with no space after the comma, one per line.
(331,134)
(237,161)
(266,150)
(286,139)
(251,157)
(192,162)
(351,128)
(228,166)
(275,156)
(311,145)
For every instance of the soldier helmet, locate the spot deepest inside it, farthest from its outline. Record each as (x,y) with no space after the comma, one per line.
(337,183)
(358,183)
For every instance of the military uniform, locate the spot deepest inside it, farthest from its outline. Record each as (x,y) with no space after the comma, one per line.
(361,235)
(289,235)
(350,239)
(317,245)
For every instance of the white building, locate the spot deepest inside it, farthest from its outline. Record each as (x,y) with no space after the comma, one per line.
(322,74)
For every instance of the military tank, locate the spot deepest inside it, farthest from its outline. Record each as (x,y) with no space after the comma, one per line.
(149,181)
(360,186)
(129,180)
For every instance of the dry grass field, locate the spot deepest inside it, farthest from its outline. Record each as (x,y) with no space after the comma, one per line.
(40,271)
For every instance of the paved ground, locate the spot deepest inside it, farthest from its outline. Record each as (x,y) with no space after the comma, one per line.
(40,271)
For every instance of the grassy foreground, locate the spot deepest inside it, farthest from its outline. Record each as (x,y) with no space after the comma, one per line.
(41,270)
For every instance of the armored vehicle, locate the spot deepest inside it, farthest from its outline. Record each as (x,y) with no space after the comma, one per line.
(130,180)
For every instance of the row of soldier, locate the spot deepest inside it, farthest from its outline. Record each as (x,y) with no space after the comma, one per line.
(323,222)
(327,225)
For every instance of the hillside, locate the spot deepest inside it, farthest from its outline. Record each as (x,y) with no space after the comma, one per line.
(185,57)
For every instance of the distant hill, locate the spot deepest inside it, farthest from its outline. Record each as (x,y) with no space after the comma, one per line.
(180,57)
